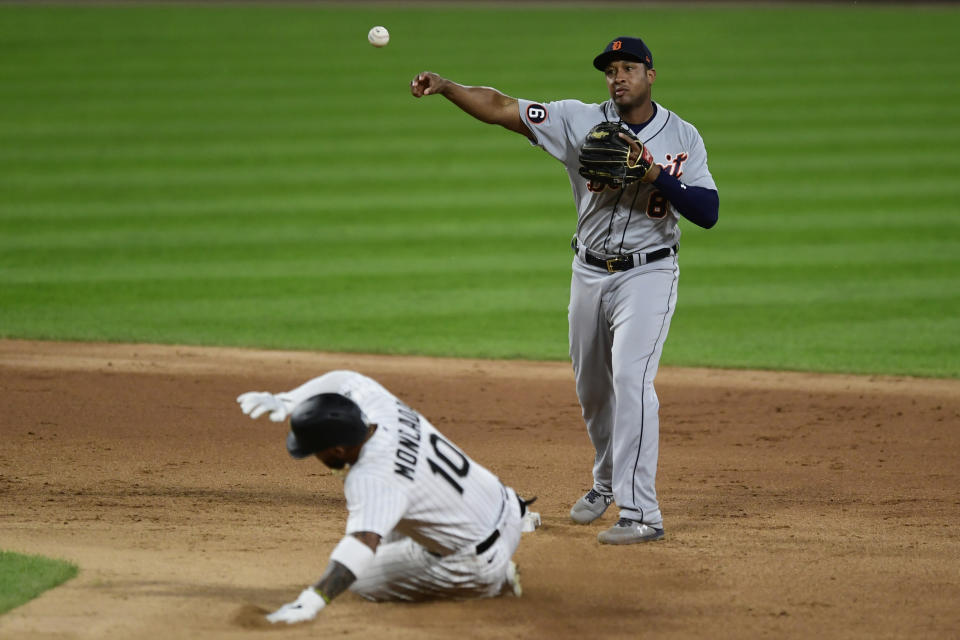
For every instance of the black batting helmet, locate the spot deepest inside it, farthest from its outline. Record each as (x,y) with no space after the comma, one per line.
(323,421)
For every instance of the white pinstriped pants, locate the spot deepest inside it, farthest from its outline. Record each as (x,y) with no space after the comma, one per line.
(405,570)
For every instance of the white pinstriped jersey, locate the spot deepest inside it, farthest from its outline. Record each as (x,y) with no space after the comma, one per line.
(612,221)
(409,477)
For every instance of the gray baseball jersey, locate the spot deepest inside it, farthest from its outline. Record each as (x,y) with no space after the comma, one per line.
(619,321)
(642,220)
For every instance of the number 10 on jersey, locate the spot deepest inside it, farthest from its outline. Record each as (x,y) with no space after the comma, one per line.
(454,462)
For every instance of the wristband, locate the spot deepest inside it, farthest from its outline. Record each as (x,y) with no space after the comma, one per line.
(353,554)
(312,600)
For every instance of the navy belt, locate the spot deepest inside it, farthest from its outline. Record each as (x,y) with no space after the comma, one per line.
(486,544)
(623,263)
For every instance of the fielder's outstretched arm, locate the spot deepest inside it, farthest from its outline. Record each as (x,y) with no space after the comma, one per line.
(354,553)
(483,103)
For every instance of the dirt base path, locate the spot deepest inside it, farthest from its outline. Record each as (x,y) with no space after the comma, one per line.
(796,505)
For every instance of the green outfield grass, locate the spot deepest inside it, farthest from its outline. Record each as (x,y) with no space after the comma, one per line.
(23,578)
(260,176)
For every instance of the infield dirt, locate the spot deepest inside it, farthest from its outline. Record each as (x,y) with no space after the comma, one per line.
(796,505)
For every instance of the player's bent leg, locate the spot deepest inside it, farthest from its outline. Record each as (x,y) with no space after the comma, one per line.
(512,584)
(408,572)
(500,571)
(405,570)
(492,572)
(397,573)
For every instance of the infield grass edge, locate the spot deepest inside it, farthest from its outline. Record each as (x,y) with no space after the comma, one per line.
(24,577)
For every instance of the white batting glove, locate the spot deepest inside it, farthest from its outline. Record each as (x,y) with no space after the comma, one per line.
(305,607)
(257,403)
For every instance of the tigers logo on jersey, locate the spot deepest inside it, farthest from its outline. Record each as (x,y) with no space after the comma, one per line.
(536,113)
(674,165)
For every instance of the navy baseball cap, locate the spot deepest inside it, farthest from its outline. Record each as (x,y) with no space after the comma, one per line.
(624,48)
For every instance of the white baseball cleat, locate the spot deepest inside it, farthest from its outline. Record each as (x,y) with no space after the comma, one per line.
(530,521)
(512,582)
(590,507)
(628,531)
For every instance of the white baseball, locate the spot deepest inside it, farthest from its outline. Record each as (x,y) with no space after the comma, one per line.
(378,36)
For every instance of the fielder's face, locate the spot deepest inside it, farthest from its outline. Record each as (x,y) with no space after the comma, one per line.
(629,83)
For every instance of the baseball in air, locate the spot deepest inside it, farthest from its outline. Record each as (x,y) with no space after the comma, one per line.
(379,36)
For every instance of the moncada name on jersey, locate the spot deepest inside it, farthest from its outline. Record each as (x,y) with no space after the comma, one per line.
(409,442)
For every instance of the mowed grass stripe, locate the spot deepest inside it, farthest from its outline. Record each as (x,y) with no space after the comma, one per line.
(288,175)
(378,236)
(38,221)
(249,148)
(396,306)
(757,244)
(307,138)
(81,160)
(124,210)
(369,295)
(443,201)
(541,263)
(864,139)
(273,89)
(815,348)
(922,287)
(820,184)
(871,79)
(923,284)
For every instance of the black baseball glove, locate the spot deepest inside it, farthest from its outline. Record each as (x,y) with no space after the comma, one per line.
(605,156)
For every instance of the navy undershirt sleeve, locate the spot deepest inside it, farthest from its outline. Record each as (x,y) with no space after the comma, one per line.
(699,205)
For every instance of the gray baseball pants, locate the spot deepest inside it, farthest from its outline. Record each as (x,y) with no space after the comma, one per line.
(618,325)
